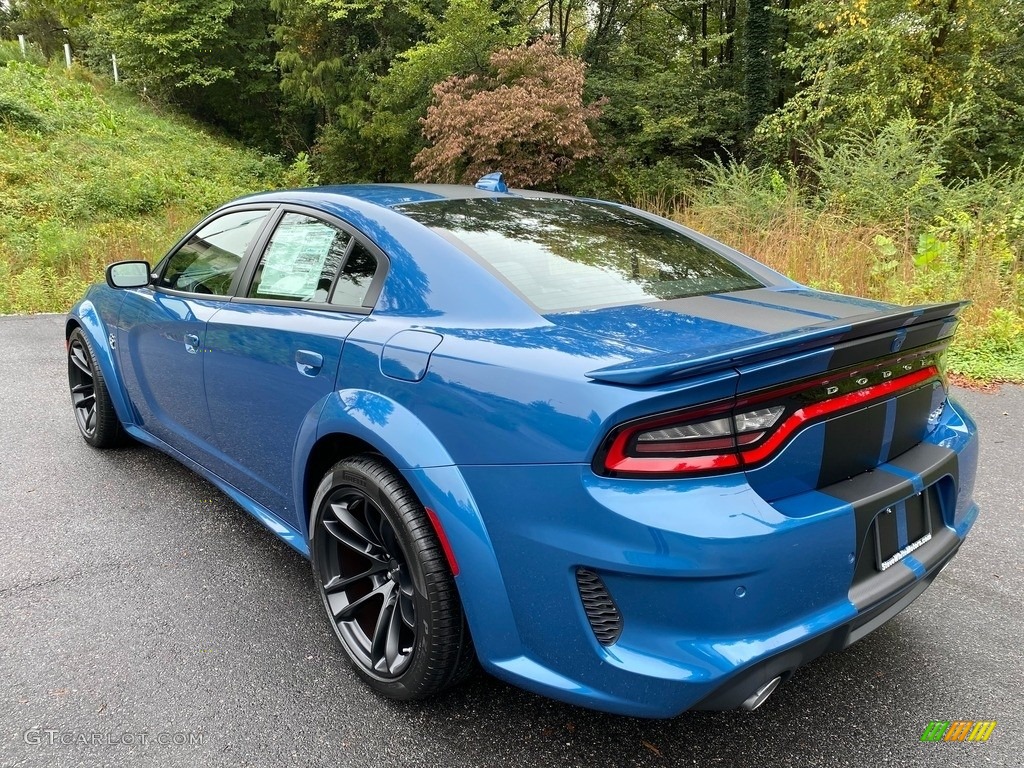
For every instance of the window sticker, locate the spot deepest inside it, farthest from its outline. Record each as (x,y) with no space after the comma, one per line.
(295,259)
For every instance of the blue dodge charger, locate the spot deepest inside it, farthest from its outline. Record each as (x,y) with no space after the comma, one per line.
(611,459)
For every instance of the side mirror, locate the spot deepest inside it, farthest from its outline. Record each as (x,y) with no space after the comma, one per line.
(128,274)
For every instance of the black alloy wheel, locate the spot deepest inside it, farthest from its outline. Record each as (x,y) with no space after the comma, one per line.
(385,583)
(94,413)
(368,586)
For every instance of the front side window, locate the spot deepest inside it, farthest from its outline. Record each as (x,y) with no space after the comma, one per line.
(300,261)
(208,261)
(576,254)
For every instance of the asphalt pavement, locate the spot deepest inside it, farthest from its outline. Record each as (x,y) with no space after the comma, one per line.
(145,619)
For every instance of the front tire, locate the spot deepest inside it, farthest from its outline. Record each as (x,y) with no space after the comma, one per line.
(385,583)
(94,412)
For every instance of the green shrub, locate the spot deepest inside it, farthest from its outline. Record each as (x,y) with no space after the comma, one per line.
(14,114)
(994,352)
(869,228)
(757,196)
(300,173)
(888,177)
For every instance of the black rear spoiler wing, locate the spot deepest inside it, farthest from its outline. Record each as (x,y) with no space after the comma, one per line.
(931,322)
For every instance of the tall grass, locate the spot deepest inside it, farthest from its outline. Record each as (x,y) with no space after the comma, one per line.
(833,254)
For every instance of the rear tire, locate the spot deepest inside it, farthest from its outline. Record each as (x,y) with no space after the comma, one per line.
(94,412)
(385,583)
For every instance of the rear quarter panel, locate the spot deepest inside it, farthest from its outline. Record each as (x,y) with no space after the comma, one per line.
(515,395)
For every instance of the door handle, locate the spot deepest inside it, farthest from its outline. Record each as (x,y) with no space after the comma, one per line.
(308,363)
(191,343)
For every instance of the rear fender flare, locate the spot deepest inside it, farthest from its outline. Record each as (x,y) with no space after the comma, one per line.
(385,425)
(405,441)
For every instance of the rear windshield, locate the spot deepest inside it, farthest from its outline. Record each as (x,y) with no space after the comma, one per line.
(571,254)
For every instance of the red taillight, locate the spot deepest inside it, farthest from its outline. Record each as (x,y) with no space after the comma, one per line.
(741,434)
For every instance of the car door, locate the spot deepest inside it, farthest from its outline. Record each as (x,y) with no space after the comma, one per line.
(273,355)
(162,329)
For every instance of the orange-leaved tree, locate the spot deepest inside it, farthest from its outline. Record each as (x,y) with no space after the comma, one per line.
(525,118)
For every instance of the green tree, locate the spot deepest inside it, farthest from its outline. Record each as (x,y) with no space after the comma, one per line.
(367,70)
(758,78)
(458,42)
(861,64)
(213,58)
(49,23)
(331,54)
(673,84)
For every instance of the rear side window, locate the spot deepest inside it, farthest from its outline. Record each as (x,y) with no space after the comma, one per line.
(572,254)
(208,261)
(300,261)
(356,277)
(310,260)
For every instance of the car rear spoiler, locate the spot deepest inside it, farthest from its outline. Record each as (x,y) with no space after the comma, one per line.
(708,359)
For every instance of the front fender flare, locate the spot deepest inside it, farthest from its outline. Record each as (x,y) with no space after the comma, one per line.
(87,317)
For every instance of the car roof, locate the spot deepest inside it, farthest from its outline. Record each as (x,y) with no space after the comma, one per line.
(389,195)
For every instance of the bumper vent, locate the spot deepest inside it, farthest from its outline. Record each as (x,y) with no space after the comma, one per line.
(603,614)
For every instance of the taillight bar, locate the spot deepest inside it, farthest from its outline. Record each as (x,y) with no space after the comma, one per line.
(741,434)
(845,402)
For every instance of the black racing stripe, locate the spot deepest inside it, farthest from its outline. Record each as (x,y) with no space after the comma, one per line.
(911,424)
(867,591)
(872,492)
(879,489)
(930,461)
(942,311)
(871,586)
(853,443)
(745,297)
(869,493)
(924,330)
(853,352)
(744,315)
(936,550)
(919,335)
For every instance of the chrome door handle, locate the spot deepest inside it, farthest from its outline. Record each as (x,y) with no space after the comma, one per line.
(308,363)
(191,343)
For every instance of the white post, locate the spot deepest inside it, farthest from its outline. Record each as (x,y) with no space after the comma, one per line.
(67,54)
(113,60)
(21,42)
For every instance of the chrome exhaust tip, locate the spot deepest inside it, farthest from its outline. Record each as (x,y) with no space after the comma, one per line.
(760,696)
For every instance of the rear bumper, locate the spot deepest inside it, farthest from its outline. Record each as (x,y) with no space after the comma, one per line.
(719,591)
(734,691)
